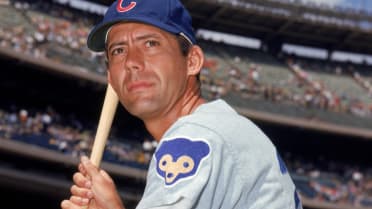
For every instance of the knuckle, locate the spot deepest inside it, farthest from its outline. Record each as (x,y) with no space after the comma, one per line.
(64,204)
(79,179)
(73,189)
(76,176)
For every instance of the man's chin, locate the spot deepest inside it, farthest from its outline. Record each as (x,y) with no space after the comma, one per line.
(142,110)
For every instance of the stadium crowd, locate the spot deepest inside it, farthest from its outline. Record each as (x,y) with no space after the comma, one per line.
(70,136)
(331,181)
(47,31)
(51,31)
(322,180)
(301,84)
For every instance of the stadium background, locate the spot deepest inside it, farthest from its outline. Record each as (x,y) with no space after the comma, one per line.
(316,111)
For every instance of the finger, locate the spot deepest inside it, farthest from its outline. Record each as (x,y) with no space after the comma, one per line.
(82,169)
(79,201)
(90,169)
(81,192)
(67,204)
(81,181)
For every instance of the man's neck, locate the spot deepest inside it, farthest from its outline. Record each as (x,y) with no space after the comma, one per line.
(159,125)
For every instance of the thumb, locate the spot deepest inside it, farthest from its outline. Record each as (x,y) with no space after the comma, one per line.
(90,169)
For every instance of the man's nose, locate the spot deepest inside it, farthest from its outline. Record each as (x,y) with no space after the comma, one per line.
(134,60)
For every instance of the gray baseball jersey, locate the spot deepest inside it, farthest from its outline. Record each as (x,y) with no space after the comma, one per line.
(216,159)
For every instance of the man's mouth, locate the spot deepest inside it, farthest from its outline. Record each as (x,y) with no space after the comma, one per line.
(138,85)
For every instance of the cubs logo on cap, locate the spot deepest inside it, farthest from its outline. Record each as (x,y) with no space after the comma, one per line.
(168,15)
(121,8)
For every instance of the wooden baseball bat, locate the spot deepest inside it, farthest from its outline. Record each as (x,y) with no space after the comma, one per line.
(104,125)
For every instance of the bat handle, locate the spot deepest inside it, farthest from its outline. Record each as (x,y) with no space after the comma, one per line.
(108,111)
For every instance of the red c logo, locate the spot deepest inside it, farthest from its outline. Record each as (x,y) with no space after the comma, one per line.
(120,8)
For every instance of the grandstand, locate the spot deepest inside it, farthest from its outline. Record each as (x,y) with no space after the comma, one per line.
(318,112)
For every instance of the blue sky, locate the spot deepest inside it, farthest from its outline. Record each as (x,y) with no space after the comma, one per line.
(357,4)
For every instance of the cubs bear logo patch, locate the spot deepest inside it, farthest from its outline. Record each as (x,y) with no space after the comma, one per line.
(180,158)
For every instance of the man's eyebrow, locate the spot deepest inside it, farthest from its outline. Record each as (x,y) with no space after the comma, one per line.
(116,44)
(138,38)
(146,36)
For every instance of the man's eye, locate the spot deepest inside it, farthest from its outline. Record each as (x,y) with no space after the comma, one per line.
(117,51)
(151,43)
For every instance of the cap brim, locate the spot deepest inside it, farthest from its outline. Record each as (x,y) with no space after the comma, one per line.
(96,38)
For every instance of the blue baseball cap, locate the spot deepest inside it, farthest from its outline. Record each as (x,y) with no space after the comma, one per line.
(169,15)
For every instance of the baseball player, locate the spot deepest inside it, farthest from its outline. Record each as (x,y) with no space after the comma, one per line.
(209,156)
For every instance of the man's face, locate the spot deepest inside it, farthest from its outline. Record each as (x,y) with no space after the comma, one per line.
(146,69)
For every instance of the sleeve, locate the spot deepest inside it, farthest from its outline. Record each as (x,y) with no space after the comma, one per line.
(180,169)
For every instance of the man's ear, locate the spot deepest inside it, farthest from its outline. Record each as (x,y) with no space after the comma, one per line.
(195,60)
